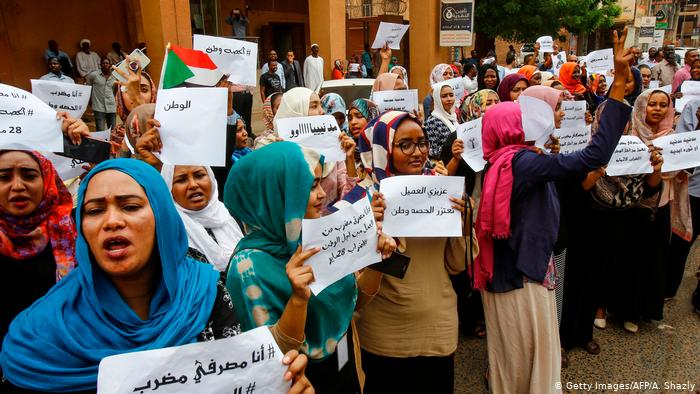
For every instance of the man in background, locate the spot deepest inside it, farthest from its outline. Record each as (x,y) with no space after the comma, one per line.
(86,61)
(238,22)
(270,81)
(293,73)
(666,69)
(313,69)
(116,55)
(102,96)
(55,74)
(272,57)
(63,58)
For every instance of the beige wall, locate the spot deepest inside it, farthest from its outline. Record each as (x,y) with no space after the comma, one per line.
(26,27)
(425,51)
(328,30)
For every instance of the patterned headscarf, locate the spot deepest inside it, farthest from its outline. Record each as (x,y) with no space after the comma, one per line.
(366,107)
(333,103)
(436,74)
(474,106)
(51,218)
(403,72)
(268,116)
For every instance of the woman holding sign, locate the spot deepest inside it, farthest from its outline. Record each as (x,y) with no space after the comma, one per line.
(517,228)
(407,331)
(642,294)
(134,289)
(276,188)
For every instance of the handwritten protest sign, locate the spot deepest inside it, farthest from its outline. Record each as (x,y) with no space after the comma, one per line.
(600,61)
(242,364)
(420,206)
(573,139)
(680,151)
(320,133)
(237,58)
(27,123)
(538,119)
(193,125)
(631,157)
(666,88)
(470,134)
(546,44)
(62,96)
(399,100)
(348,242)
(66,167)
(389,33)
(574,114)
(691,91)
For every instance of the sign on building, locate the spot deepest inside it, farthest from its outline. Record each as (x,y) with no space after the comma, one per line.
(456,23)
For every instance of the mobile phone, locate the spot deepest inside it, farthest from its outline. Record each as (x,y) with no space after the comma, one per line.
(90,150)
(137,59)
(396,265)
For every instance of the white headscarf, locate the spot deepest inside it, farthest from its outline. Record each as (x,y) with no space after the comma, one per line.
(294,104)
(215,217)
(449,119)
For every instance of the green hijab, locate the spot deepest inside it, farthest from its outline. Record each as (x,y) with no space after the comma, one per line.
(268,190)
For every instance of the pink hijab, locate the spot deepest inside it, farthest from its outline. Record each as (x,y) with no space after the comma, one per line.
(502,138)
(545,93)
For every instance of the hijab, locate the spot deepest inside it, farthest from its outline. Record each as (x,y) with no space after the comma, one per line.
(385,81)
(436,74)
(366,107)
(448,118)
(117,135)
(547,94)
(268,116)
(482,73)
(474,106)
(214,217)
(88,318)
(688,121)
(640,128)
(403,72)
(508,84)
(25,237)
(566,78)
(528,71)
(333,103)
(546,76)
(270,195)
(294,104)
(638,86)
(502,138)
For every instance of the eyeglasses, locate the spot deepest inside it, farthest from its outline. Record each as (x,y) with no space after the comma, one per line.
(408,147)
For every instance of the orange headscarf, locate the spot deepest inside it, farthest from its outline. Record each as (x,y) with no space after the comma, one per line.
(528,71)
(566,79)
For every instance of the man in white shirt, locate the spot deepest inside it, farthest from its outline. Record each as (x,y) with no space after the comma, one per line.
(313,69)
(86,61)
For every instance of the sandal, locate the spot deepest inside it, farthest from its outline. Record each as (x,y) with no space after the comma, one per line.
(480,330)
(592,347)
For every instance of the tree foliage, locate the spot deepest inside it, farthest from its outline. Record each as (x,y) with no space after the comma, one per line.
(526,20)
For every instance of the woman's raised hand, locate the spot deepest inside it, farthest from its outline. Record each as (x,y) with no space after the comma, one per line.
(300,275)
(295,373)
(133,82)
(148,143)
(347,144)
(457,149)
(73,128)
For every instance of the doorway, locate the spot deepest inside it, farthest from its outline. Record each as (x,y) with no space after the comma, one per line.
(283,37)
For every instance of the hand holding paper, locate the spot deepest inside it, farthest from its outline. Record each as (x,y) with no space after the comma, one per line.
(389,33)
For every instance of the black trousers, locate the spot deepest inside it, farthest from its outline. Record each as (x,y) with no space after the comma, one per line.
(327,379)
(680,249)
(389,375)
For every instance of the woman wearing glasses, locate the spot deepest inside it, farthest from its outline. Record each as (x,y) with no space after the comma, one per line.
(410,328)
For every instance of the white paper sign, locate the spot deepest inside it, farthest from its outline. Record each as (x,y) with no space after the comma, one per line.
(546,44)
(66,167)
(557,61)
(573,139)
(538,119)
(348,242)
(574,114)
(680,151)
(457,85)
(691,91)
(62,96)
(389,33)
(320,133)
(666,88)
(193,125)
(631,157)
(27,123)
(247,363)
(237,58)
(420,206)
(101,135)
(600,61)
(399,100)
(470,134)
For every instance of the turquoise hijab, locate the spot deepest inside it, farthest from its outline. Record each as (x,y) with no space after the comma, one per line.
(269,190)
(57,343)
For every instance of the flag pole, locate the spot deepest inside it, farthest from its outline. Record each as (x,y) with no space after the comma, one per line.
(162,70)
